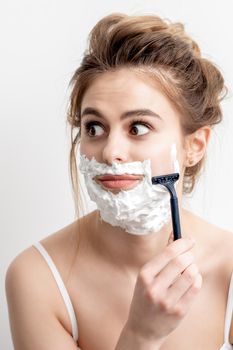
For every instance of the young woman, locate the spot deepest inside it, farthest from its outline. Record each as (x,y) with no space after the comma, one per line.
(143,104)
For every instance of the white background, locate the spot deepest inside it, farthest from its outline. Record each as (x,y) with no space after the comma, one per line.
(40,47)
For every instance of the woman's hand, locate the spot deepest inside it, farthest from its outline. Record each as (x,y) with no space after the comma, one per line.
(165,289)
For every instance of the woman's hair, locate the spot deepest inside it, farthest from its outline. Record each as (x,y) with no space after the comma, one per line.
(162,50)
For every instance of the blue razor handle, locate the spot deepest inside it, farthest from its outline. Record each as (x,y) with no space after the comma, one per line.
(168,182)
(175,217)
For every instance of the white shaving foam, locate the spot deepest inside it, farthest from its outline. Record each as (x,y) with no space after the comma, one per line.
(141,210)
(174,159)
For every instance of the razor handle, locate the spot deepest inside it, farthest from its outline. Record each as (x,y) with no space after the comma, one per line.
(175,217)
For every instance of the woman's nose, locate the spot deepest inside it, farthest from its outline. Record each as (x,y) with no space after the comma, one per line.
(115,150)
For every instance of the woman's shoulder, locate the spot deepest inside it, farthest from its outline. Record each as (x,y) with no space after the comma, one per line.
(30,260)
(54,243)
(215,244)
(214,247)
(33,294)
(203,226)
(30,275)
(61,246)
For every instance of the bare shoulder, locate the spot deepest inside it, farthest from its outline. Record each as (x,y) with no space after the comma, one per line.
(61,246)
(214,247)
(215,244)
(33,297)
(221,247)
(29,260)
(26,271)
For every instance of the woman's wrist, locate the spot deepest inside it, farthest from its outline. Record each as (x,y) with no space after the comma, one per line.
(130,340)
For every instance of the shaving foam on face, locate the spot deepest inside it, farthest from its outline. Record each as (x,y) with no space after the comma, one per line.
(174,159)
(175,162)
(141,210)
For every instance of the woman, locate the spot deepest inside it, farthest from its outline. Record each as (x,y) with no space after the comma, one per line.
(143,104)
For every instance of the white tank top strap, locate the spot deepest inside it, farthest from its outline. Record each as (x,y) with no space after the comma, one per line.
(61,287)
(229,313)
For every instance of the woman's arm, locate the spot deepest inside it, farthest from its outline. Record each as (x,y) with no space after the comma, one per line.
(33,322)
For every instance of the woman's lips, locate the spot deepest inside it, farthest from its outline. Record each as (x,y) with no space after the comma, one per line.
(119,181)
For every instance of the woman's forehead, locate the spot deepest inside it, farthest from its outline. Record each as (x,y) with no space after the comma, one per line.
(124,91)
(124,83)
(118,80)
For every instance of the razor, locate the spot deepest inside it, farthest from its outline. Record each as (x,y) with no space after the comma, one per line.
(168,182)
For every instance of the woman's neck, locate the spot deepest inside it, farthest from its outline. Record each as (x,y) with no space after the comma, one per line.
(126,250)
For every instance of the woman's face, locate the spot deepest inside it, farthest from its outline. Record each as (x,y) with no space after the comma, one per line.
(124,118)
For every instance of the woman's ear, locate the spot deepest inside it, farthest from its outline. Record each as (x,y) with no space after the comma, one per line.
(196,144)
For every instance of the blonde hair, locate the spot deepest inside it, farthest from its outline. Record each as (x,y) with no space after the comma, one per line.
(164,51)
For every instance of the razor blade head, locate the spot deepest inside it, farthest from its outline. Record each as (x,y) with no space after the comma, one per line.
(165,179)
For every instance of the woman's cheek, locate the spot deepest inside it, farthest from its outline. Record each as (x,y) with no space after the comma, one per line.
(85,149)
(162,161)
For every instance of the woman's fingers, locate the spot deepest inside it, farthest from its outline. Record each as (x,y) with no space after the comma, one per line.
(182,284)
(174,268)
(158,263)
(188,297)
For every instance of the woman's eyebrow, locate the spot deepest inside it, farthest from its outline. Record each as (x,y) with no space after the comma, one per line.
(127,114)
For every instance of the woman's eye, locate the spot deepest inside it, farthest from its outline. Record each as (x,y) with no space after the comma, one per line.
(94,129)
(139,129)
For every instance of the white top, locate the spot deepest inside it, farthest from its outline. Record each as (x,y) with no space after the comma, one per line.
(71,312)
(228,317)
(62,289)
